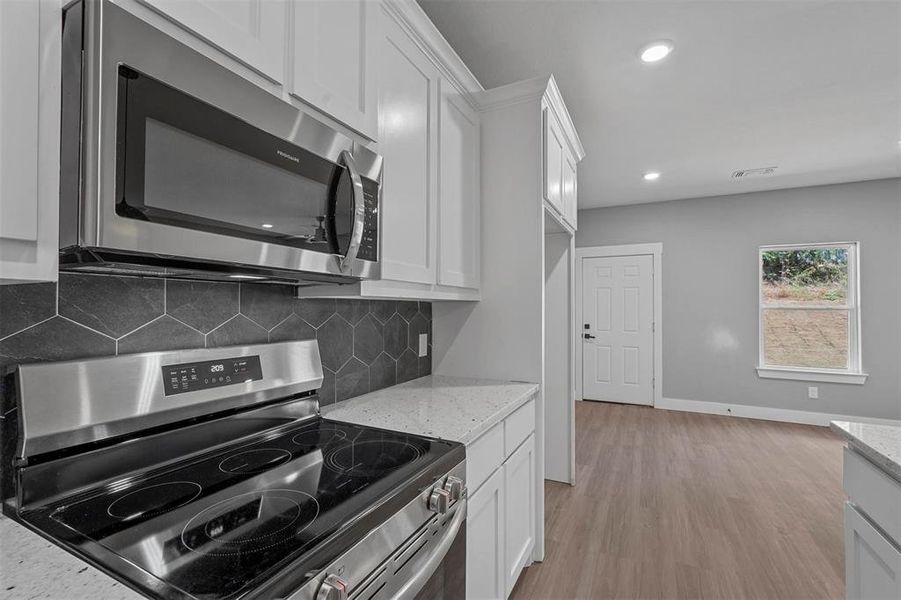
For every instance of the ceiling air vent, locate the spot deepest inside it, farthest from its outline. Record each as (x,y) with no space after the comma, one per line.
(758,172)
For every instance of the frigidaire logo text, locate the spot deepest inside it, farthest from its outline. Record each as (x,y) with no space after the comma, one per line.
(288,156)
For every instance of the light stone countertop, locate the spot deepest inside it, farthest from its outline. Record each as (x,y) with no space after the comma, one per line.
(880,443)
(32,567)
(450,408)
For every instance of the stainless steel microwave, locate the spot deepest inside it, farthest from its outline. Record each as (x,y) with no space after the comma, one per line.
(174,166)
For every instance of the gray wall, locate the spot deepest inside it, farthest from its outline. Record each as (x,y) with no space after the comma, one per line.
(710,287)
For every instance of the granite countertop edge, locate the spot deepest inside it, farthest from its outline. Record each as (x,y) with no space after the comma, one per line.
(497,417)
(881,444)
(445,397)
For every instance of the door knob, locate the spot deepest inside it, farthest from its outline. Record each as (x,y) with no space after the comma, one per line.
(587,336)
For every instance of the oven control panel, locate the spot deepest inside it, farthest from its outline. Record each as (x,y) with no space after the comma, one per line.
(192,377)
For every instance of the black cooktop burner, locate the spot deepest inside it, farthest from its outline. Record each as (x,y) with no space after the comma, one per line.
(370,458)
(326,435)
(250,522)
(153,500)
(223,524)
(254,461)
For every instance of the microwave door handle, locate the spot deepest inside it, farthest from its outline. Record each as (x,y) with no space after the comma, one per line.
(356,236)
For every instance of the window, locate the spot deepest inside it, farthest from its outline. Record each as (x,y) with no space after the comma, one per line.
(809,319)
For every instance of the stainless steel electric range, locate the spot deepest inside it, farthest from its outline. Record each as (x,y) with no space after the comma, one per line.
(211,474)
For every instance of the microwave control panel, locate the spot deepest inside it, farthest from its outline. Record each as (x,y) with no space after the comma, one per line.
(192,377)
(369,246)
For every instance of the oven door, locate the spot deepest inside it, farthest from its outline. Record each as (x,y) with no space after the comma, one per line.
(187,164)
(448,579)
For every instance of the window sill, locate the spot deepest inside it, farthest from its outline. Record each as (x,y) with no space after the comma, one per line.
(812,375)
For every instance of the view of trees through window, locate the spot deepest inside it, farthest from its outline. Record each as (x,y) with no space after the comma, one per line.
(805,311)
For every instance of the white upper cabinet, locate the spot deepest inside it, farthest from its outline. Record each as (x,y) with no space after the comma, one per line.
(252,31)
(429,136)
(554,150)
(561,153)
(459,213)
(408,90)
(29,140)
(335,59)
(570,190)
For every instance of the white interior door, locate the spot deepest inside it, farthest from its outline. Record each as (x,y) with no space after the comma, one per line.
(617,333)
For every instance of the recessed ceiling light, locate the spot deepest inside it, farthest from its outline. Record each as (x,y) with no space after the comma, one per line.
(239,276)
(656,51)
(651,176)
(267,225)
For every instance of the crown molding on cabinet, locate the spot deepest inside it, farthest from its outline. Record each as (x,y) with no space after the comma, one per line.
(410,16)
(527,90)
(555,99)
(530,90)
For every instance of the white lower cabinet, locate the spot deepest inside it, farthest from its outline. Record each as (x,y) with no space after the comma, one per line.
(872,530)
(872,562)
(500,525)
(485,573)
(519,511)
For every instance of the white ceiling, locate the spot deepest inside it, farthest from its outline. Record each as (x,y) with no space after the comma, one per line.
(811,86)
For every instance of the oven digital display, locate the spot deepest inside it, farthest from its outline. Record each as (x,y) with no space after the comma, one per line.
(191,377)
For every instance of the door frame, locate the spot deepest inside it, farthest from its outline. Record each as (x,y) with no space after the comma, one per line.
(656,251)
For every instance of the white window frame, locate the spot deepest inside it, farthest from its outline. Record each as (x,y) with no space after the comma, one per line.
(854,373)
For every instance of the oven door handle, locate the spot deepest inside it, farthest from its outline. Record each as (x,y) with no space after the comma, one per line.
(356,236)
(415,584)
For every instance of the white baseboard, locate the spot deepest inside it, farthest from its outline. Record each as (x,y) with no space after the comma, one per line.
(769,414)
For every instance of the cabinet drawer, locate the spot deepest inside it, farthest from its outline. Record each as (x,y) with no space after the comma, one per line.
(874,492)
(518,426)
(484,456)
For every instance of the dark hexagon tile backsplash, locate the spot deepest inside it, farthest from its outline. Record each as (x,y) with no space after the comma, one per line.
(203,305)
(365,344)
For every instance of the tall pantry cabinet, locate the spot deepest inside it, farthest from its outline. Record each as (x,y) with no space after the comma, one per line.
(523,327)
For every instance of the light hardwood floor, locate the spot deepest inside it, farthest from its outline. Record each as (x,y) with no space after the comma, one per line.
(678,505)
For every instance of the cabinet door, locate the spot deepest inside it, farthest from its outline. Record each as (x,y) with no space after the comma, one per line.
(29,144)
(459,212)
(570,195)
(335,59)
(252,31)
(519,511)
(872,563)
(485,578)
(553,161)
(408,86)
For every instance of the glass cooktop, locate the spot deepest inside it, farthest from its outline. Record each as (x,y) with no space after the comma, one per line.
(217,526)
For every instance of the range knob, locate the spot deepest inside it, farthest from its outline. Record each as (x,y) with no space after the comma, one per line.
(332,588)
(439,500)
(454,487)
